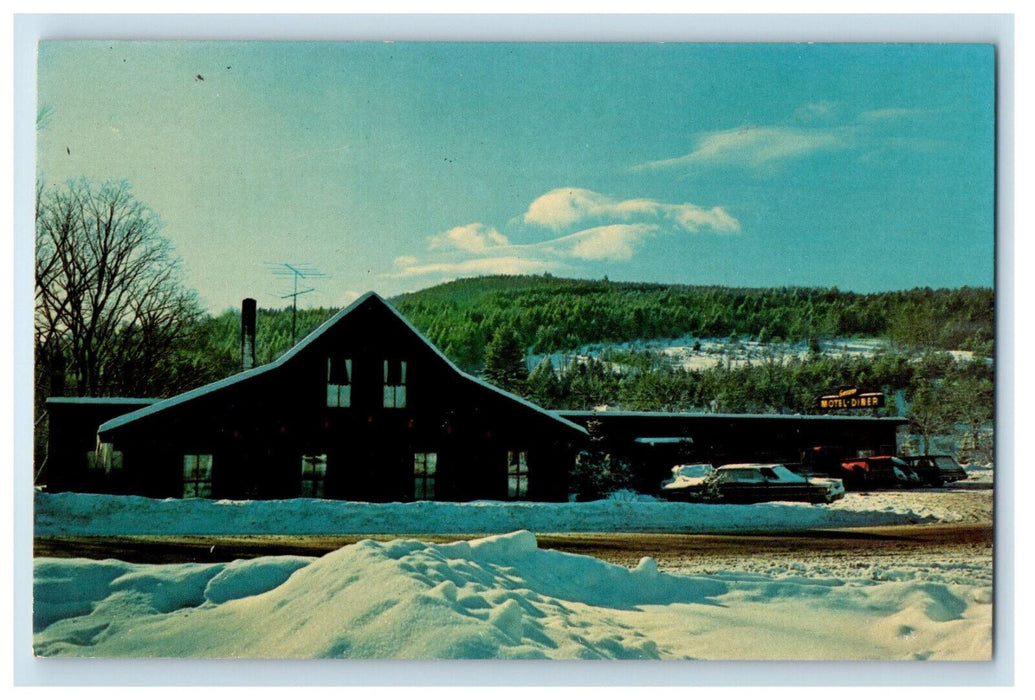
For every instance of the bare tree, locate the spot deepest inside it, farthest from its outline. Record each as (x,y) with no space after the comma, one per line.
(110,302)
(929,414)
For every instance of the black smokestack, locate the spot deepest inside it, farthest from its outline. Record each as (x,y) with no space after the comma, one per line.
(247,334)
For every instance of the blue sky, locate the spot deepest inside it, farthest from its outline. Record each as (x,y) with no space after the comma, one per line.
(395,166)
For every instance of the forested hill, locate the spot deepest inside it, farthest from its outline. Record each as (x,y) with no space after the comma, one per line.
(488,324)
(549,313)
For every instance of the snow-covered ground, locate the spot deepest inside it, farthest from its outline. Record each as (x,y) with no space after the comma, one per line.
(504,597)
(81,514)
(497,597)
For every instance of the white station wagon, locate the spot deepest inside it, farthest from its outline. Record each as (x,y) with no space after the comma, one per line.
(756,483)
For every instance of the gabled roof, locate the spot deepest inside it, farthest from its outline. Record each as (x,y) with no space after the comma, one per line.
(301,345)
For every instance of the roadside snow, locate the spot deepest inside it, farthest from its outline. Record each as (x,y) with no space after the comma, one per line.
(89,514)
(978,476)
(497,597)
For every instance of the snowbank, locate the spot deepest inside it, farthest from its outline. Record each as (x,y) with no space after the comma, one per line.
(979,476)
(498,597)
(87,514)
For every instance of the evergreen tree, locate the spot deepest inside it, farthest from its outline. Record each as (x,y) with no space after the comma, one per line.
(598,473)
(505,361)
(543,386)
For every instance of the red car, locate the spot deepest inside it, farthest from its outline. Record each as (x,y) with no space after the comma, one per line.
(872,472)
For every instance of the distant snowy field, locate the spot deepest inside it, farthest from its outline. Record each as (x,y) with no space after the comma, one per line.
(699,354)
(504,597)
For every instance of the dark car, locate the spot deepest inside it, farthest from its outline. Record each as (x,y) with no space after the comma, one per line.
(905,475)
(926,470)
(940,467)
(757,483)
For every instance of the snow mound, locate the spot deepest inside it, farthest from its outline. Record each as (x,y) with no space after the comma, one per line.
(497,597)
(248,577)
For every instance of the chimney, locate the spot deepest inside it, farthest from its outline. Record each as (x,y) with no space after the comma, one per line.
(247,334)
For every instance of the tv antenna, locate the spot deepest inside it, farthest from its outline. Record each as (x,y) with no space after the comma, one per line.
(297,271)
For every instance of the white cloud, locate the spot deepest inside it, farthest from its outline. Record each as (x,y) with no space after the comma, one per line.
(478,249)
(815,110)
(617,242)
(692,219)
(472,238)
(890,113)
(568,205)
(754,147)
(761,146)
(504,265)
(564,206)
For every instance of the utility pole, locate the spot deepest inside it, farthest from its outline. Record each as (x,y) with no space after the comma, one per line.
(297,272)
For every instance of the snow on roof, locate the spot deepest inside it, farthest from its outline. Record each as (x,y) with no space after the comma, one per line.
(687,414)
(99,400)
(661,440)
(750,465)
(301,345)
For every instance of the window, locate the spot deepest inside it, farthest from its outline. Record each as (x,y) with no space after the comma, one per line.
(314,472)
(104,458)
(749,476)
(197,476)
(339,382)
(517,474)
(395,384)
(424,466)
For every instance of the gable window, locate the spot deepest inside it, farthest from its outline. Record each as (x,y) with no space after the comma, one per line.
(424,467)
(517,474)
(314,472)
(197,476)
(395,384)
(339,382)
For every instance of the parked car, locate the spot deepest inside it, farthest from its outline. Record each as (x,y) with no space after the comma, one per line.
(942,467)
(689,482)
(904,474)
(926,470)
(756,483)
(865,473)
(823,460)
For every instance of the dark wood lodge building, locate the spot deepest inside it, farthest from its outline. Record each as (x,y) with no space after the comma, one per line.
(364,408)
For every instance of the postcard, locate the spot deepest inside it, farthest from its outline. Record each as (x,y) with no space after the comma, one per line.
(525,350)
